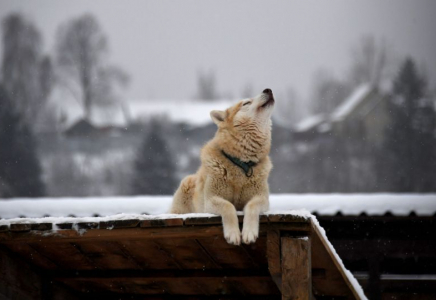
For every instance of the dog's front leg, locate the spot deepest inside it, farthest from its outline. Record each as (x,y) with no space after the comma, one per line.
(218,205)
(252,209)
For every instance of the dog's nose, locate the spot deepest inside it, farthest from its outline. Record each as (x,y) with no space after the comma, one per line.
(267,91)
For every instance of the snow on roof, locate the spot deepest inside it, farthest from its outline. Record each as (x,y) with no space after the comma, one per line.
(187,111)
(309,122)
(351,102)
(322,204)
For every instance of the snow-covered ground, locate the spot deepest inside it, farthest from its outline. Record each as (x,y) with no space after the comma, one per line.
(323,204)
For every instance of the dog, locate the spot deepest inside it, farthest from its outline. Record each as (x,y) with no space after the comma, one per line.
(234,169)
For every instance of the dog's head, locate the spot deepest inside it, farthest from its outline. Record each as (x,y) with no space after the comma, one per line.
(248,112)
(248,119)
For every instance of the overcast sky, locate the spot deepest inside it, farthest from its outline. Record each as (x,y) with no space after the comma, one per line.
(276,44)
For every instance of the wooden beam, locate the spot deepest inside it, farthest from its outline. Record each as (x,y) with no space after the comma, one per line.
(20,280)
(71,235)
(114,296)
(296,268)
(273,255)
(220,273)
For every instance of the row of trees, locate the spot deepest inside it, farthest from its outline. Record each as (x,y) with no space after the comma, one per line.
(28,77)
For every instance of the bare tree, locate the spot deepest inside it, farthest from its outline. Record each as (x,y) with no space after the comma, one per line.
(26,73)
(372,61)
(82,54)
(328,92)
(206,85)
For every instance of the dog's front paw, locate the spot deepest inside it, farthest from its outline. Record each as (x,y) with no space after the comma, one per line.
(249,236)
(233,236)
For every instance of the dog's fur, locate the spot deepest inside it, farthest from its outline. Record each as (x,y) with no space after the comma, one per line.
(219,186)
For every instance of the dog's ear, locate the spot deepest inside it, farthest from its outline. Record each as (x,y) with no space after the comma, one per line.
(217,116)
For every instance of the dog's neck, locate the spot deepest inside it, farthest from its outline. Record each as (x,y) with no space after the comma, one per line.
(250,143)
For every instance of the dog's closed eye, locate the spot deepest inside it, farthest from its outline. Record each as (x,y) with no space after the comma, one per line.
(247,103)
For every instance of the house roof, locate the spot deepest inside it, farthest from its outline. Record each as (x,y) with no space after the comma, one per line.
(349,104)
(310,123)
(81,126)
(322,121)
(321,204)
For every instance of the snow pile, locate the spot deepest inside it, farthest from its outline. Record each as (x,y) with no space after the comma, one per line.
(323,204)
(351,102)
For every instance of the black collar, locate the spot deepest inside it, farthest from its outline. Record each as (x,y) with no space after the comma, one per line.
(246,166)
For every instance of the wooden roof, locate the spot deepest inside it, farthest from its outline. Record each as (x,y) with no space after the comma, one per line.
(177,259)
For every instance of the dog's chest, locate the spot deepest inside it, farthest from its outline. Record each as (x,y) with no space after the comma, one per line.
(239,188)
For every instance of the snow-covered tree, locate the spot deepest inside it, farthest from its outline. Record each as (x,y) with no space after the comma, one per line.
(20,171)
(206,86)
(372,61)
(154,169)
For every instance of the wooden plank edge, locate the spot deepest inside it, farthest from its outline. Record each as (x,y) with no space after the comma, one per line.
(317,234)
(162,223)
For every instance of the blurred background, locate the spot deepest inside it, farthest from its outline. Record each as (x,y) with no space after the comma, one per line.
(108,98)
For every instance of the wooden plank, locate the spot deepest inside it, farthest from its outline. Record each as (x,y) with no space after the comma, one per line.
(226,255)
(203,221)
(118,296)
(32,256)
(188,253)
(13,285)
(64,225)
(107,255)
(200,286)
(128,274)
(21,227)
(335,283)
(73,235)
(162,222)
(41,226)
(65,255)
(87,225)
(285,218)
(117,224)
(4,228)
(274,257)
(147,255)
(296,268)
(258,251)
